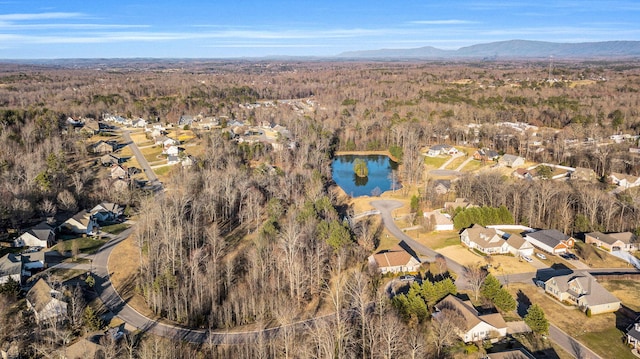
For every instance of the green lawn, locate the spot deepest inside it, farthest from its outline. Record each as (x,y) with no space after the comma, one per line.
(85,245)
(608,343)
(437,240)
(456,162)
(475,165)
(115,228)
(161,171)
(435,162)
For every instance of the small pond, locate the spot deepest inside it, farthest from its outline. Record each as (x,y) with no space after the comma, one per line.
(380,179)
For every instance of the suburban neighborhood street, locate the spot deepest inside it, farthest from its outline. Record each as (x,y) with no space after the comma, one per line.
(572,346)
(153,179)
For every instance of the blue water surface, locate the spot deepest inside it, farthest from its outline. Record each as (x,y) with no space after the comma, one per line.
(380,178)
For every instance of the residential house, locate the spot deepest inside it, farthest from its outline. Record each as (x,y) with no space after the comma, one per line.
(583,174)
(85,348)
(119,172)
(523,173)
(107,212)
(168,142)
(91,127)
(583,291)
(188,161)
(442,186)
(550,240)
(459,202)
(140,122)
(519,353)
(633,335)
(81,223)
(110,159)
(33,260)
(173,150)
(439,221)
(477,327)
(102,147)
(624,181)
(46,303)
(400,258)
(486,240)
(437,150)
(10,267)
(485,155)
(41,235)
(155,134)
(624,241)
(172,160)
(518,246)
(511,161)
(186,120)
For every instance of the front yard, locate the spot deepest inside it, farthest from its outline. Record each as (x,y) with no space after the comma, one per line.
(84,244)
(598,258)
(591,331)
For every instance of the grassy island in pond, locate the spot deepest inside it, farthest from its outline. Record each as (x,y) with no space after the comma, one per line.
(360,167)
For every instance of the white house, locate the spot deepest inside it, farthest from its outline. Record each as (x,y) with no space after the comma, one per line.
(106,212)
(437,150)
(172,150)
(624,181)
(400,258)
(46,303)
(41,235)
(477,327)
(81,223)
(583,291)
(511,160)
(486,240)
(140,123)
(10,267)
(439,221)
(495,241)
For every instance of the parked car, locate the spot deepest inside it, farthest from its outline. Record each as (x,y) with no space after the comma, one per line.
(541,256)
(407,278)
(528,259)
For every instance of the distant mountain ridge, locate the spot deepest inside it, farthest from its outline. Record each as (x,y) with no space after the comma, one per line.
(510,49)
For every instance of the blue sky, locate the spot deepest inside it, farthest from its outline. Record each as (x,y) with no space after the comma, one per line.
(252,28)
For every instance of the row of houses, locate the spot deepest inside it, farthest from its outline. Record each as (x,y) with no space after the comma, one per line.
(84,222)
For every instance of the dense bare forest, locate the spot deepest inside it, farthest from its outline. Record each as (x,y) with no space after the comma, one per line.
(255,236)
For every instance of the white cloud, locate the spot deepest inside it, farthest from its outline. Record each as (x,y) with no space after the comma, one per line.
(40,16)
(443,22)
(13,27)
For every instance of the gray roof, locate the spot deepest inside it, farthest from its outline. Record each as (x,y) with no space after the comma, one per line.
(42,231)
(611,238)
(439,147)
(10,264)
(509,158)
(550,237)
(633,331)
(594,293)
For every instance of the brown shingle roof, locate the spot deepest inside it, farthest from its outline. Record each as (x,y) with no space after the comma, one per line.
(396,256)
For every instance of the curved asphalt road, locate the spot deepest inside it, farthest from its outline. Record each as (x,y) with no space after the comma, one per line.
(116,304)
(386,207)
